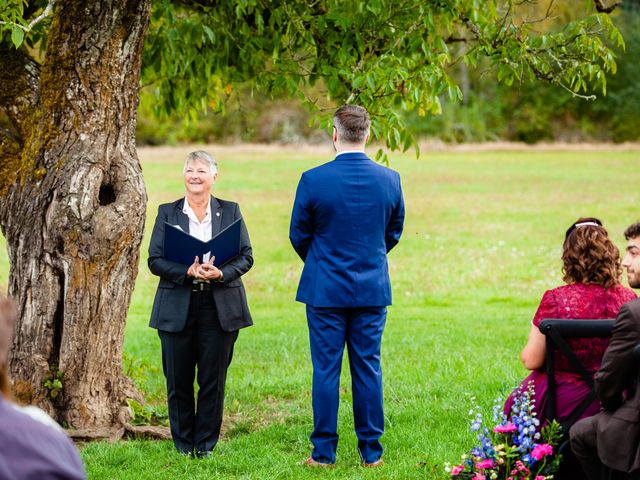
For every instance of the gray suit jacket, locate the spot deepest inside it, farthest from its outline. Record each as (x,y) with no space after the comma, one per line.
(171,303)
(618,426)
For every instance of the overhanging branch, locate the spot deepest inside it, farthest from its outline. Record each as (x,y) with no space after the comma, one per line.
(602,8)
(47,11)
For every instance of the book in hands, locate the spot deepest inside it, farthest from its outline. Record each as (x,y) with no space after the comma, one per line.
(181,247)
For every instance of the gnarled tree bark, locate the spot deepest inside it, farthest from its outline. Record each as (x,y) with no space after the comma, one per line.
(72,207)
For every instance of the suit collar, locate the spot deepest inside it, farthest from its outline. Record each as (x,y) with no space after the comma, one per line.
(216,215)
(351,155)
(183,220)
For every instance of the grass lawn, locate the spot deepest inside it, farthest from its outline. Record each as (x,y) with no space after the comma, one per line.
(482,242)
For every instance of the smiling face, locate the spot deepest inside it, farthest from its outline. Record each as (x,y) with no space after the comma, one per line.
(631,262)
(198,178)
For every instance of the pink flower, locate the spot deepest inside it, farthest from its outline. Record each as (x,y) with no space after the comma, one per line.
(541,450)
(520,469)
(539,477)
(507,428)
(488,463)
(457,470)
(479,476)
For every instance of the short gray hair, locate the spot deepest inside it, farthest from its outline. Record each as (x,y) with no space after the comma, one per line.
(202,157)
(352,123)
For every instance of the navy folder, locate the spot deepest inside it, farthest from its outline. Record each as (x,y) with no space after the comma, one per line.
(181,247)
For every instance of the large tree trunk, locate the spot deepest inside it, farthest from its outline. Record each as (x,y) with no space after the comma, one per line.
(72,208)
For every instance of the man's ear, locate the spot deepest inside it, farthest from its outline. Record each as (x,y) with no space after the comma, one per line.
(335,135)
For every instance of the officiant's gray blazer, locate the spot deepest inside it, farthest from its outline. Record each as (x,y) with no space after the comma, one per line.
(171,303)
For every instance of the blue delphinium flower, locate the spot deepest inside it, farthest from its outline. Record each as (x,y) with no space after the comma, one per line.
(509,446)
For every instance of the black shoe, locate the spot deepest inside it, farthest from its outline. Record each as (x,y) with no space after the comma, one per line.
(205,454)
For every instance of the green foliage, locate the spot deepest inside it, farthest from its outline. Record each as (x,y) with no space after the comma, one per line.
(533,112)
(389,56)
(18,25)
(392,57)
(552,434)
(53,382)
(148,414)
(247,117)
(13,22)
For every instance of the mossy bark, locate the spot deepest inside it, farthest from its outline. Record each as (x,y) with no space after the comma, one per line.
(72,207)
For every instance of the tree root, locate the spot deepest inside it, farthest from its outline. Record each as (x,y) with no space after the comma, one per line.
(114,434)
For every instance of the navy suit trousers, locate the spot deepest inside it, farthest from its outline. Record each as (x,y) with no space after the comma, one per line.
(360,329)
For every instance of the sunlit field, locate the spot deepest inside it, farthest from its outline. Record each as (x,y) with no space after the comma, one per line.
(481,244)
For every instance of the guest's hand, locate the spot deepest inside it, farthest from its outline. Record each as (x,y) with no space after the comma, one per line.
(193,269)
(208,271)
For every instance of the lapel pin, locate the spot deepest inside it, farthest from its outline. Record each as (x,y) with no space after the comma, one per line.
(217,214)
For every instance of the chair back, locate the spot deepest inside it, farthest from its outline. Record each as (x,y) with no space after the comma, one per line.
(557,331)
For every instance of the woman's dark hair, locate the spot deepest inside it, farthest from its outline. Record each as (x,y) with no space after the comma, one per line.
(589,255)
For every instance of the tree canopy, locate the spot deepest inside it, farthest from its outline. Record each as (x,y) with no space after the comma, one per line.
(390,56)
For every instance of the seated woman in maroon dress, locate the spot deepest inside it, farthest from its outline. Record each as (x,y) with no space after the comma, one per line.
(591,267)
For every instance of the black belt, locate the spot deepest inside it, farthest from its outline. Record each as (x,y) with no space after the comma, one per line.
(201,287)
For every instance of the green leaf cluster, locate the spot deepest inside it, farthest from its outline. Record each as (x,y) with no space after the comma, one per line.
(15,28)
(53,382)
(12,16)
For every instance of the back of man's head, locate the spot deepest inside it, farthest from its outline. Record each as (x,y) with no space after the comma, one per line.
(352,123)
(632,231)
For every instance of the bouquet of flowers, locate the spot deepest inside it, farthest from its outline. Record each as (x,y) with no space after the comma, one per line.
(513,449)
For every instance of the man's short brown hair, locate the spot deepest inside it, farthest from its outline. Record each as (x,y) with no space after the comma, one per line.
(352,123)
(632,231)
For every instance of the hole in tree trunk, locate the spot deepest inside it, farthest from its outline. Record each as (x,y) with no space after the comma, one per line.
(54,357)
(107,195)
(58,319)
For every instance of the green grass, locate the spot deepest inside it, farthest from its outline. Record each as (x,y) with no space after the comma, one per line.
(482,242)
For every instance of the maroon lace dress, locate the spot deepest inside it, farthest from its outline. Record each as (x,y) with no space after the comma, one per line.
(576,301)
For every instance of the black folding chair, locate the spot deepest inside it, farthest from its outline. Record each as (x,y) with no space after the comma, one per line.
(556,333)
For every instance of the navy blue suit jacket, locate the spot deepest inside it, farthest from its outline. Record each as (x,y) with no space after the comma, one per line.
(347,215)
(171,303)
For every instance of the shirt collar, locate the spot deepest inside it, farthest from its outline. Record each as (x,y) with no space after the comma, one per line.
(348,151)
(188,211)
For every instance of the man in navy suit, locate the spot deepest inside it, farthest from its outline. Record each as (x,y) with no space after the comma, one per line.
(198,309)
(347,215)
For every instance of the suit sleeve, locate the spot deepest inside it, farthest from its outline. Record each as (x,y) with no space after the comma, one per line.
(301,228)
(396,221)
(172,271)
(617,370)
(238,266)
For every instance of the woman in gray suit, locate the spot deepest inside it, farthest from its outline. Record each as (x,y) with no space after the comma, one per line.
(198,308)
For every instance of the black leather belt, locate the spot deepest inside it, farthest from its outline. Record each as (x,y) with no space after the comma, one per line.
(201,287)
